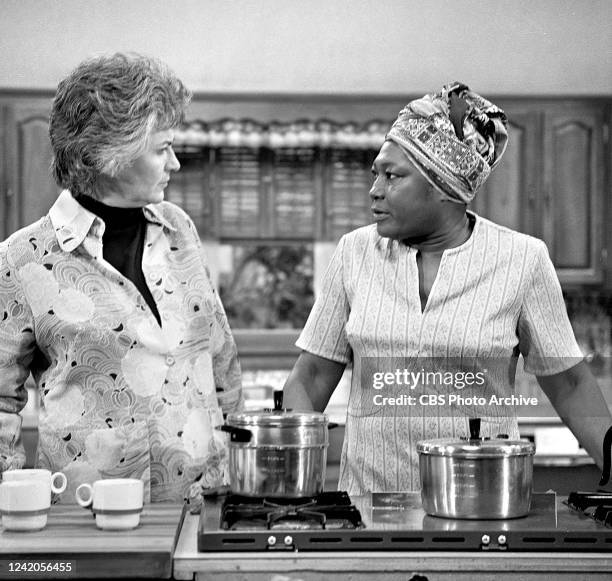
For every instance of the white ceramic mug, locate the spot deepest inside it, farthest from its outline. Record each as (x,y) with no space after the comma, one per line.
(55,482)
(116,502)
(24,504)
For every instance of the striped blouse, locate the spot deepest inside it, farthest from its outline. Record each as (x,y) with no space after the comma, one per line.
(495,296)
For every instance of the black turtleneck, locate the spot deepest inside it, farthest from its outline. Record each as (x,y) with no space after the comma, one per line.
(123,243)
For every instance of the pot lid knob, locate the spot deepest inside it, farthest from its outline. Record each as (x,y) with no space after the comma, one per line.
(278,400)
(474,428)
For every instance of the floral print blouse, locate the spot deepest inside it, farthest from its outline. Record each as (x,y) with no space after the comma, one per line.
(120,395)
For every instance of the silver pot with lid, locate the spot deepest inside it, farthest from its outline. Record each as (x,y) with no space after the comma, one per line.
(277,453)
(476,478)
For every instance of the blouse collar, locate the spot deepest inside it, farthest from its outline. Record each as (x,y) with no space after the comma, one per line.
(73,223)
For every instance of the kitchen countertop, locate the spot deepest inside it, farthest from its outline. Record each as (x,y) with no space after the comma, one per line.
(388,565)
(165,545)
(71,536)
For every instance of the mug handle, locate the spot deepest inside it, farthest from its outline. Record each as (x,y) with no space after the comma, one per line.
(62,478)
(84,502)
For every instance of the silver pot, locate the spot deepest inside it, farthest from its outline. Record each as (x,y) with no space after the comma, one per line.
(476,478)
(277,453)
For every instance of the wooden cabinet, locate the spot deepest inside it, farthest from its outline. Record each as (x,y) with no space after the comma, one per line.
(573,187)
(551,184)
(28,188)
(510,196)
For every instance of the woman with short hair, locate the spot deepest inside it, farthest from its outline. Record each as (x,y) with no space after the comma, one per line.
(108,302)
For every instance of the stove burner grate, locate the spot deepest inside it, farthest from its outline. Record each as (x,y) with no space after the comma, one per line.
(603,514)
(329,510)
(597,505)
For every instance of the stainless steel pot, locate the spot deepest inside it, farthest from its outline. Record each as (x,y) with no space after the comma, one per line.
(476,478)
(277,453)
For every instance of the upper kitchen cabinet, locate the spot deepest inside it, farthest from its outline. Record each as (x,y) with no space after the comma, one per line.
(573,177)
(510,196)
(28,189)
(551,183)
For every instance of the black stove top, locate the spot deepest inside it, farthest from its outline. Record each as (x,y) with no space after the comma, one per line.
(397,522)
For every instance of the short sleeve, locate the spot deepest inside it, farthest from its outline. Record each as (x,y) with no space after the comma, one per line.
(546,337)
(325,331)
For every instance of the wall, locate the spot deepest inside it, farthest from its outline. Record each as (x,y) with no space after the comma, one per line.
(527,47)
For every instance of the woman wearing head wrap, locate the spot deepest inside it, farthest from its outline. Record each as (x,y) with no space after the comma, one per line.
(432,305)
(107,299)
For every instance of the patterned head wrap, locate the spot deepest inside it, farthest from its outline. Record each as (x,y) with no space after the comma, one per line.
(454,137)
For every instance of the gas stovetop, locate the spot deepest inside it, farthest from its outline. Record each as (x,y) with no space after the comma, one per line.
(396,522)
(327,511)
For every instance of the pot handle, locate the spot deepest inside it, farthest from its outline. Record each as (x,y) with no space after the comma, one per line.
(240,435)
(607,457)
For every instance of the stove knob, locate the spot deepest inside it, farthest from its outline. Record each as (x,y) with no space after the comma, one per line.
(486,539)
(288,540)
(501,540)
(271,540)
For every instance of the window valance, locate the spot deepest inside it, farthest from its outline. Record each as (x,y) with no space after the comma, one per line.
(302,133)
